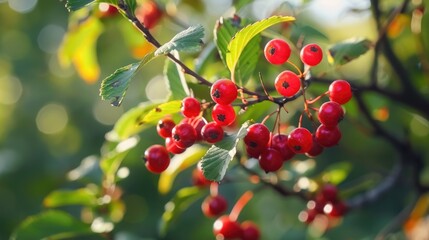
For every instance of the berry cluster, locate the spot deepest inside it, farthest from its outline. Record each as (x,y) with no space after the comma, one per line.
(325,203)
(194,127)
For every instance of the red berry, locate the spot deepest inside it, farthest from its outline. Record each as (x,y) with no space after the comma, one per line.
(330,114)
(107,10)
(300,140)
(184,135)
(223,91)
(328,136)
(212,132)
(198,178)
(335,209)
(214,206)
(149,14)
(250,231)
(197,123)
(253,152)
(311,54)
(340,91)
(315,150)
(287,83)
(318,204)
(172,147)
(164,127)
(225,228)
(257,137)
(191,107)
(307,216)
(279,142)
(270,160)
(329,192)
(157,158)
(223,115)
(277,51)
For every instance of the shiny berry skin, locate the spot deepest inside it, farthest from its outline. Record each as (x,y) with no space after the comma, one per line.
(149,14)
(225,228)
(198,123)
(340,91)
(316,149)
(330,114)
(287,83)
(191,107)
(300,140)
(157,158)
(212,132)
(257,137)
(107,10)
(250,231)
(198,178)
(311,54)
(172,147)
(223,91)
(214,206)
(164,127)
(270,160)
(253,152)
(328,136)
(223,115)
(184,135)
(277,51)
(279,142)
(335,209)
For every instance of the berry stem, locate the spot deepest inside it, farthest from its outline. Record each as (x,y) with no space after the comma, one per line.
(297,68)
(311,101)
(239,205)
(214,189)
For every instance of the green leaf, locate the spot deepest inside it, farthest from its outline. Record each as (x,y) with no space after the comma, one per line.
(216,160)
(238,4)
(161,111)
(245,35)
(50,224)
(73,5)
(189,40)
(111,161)
(82,196)
(179,163)
(224,31)
(180,202)
(176,81)
(346,51)
(337,172)
(114,87)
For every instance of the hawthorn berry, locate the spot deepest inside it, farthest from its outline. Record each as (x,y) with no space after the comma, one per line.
(172,147)
(212,132)
(270,160)
(316,149)
(184,135)
(198,178)
(277,51)
(107,10)
(223,115)
(311,54)
(257,137)
(149,14)
(287,83)
(156,158)
(328,136)
(250,231)
(340,91)
(197,123)
(330,113)
(307,216)
(279,142)
(300,140)
(223,91)
(253,152)
(191,107)
(225,228)
(164,127)
(213,206)
(335,209)
(329,192)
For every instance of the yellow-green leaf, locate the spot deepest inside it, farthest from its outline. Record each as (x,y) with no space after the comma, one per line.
(243,37)
(59,198)
(161,111)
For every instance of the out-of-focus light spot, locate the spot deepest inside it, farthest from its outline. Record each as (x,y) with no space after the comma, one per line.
(52,118)
(22,6)
(156,89)
(123,172)
(10,90)
(381,114)
(50,37)
(103,7)
(419,126)
(303,166)
(416,21)
(99,225)
(86,166)
(104,113)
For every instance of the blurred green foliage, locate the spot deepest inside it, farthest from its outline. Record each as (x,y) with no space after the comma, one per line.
(51,120)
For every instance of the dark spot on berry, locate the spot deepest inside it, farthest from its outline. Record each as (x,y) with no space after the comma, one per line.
(176,137)
(253,144)
(272,50)
(297,148)
(216,94)
(161,125)
(213,135)
(221,117)
(285,84)
(314,49)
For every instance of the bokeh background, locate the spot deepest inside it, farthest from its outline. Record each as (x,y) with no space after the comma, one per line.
(51,119)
